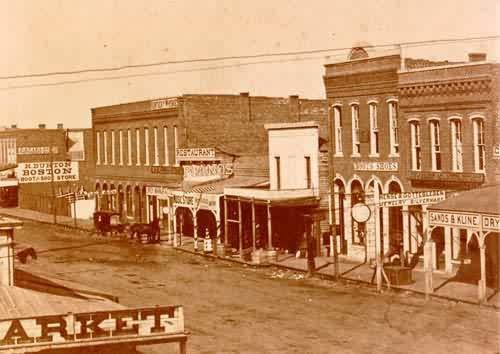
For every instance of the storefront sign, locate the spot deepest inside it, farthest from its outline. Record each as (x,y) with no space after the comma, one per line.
(194,200)
(491,223)
(160,192)
(105,327)
(411,198)
(164,103)
(442,218)
(41,172)
(36,150)
(207,171)
(446,176)
(195,154)
(376,165)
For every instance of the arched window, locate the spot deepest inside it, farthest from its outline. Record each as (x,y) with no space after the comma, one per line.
(374,137)
(393,128)
(356,146)
(416,150)
(479,146)
(435,145)
(456,145)
(337,126)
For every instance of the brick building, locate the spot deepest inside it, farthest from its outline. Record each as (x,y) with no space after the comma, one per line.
(33,150)
(382,111)
(171,158)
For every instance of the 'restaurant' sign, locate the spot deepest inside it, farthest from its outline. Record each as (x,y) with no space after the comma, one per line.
(195,154)
(376,165)
(411,198)
(80,329)
(41,172)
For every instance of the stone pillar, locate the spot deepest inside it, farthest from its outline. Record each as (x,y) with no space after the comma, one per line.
(448,267)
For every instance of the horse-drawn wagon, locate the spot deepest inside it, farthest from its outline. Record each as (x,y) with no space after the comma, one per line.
(109,222)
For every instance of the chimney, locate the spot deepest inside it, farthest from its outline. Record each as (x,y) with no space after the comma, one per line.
(41,126)
(293,108)
(245,114)
(13,126)
(473,57)
(60,126)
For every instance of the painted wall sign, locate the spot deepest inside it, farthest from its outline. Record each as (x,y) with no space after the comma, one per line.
(446,176)
(164,103)
(105,326)
(411,198)
(200,172)
(36,150)
(376,165)
(41,172)
(195,154)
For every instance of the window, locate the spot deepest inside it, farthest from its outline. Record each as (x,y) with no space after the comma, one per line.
(113,143)
(176,142)
(98,147)
(479,146)
(337,126)
(456,145)
(308,172)
(374,143)
(155,142)
(416,157)
(356,146)
(138,147)
(120,147)
(105,138)
(146,146)
(435,145)
(393,127)
(278,172)
(129,147)
(165,144)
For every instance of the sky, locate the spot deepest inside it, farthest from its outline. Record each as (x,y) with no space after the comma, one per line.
(56,35)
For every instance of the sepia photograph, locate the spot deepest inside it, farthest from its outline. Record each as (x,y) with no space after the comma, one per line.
(249,177)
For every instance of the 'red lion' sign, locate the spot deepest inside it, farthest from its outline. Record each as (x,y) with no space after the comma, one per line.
(105,326)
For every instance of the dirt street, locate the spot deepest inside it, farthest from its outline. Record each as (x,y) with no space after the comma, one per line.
(234,309)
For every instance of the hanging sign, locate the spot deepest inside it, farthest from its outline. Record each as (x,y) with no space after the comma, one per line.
(41,172)
(83,329)
(360,212)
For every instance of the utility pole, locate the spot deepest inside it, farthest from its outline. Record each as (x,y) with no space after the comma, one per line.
(331,183)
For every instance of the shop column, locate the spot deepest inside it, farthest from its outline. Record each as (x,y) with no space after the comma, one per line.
(406,230)
(448,267)
(347,222)
(455,232)
(385,228)
(482,255)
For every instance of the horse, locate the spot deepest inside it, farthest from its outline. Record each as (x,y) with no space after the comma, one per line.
(151,230)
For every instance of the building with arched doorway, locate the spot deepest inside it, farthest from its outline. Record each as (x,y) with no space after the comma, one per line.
(170,158)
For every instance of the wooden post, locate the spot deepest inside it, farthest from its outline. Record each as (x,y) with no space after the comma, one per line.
(226,223)
(195,229)
(378,260)
(253,224)
(240,229)
(447,249)
(482,257)
(269,227)
(74,208)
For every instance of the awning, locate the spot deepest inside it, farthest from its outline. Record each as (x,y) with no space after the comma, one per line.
(217,186)
(484,200)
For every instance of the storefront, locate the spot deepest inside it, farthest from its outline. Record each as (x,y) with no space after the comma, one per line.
(470,226)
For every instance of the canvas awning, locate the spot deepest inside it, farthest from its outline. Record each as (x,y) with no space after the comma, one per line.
(481,201)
